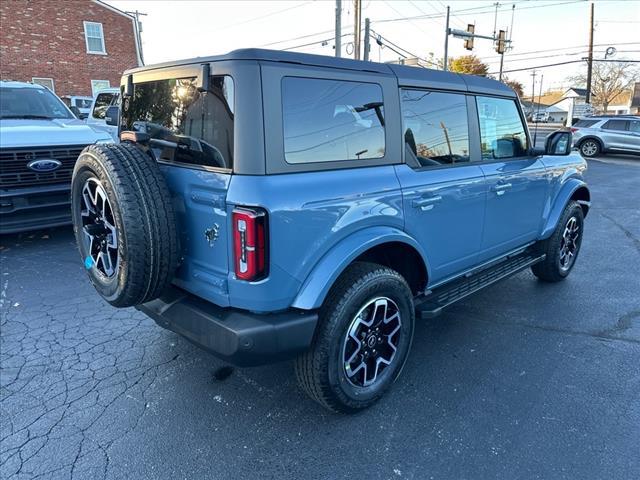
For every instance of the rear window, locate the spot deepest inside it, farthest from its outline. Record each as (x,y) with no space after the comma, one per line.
(185,125)
(331,120)
(585,123)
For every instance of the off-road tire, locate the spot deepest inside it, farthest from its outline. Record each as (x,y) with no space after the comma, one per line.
(549,269)
(320,371)
(144,218)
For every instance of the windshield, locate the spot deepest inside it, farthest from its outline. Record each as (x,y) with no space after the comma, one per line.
(31,103)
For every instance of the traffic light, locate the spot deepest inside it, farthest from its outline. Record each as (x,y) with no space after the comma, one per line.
(502,42)
(468,43)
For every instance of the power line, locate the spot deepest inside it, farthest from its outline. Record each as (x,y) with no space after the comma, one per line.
(255,19)
(561,63)
(316,42)
(473,9)
(296,38)
(389,43)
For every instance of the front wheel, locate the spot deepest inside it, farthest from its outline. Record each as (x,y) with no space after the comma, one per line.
(562,247)
(362,340)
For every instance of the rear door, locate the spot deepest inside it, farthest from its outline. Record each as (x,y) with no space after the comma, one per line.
(634,138)
(617,135)
(192,138)
(517,182)
(443,191)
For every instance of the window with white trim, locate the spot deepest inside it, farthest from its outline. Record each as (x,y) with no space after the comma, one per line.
(45,82)
(94,37)
(97,85)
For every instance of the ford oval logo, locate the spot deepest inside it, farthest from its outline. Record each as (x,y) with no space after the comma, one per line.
(44,165)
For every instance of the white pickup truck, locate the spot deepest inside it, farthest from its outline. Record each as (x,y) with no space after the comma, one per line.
(103,100)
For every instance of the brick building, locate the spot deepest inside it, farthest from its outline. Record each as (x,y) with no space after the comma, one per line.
(74,47)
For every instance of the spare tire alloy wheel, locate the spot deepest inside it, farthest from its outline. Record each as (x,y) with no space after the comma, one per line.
(371,342)
(99,229)
(124,223)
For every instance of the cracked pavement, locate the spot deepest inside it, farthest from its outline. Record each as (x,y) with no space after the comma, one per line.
(523,380)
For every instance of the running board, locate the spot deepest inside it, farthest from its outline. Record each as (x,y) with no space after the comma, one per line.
(432,304)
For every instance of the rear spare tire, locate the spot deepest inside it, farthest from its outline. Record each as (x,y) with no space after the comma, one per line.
(124,223)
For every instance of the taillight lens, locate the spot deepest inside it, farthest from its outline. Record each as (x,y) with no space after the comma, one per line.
(250,243)
(574,129)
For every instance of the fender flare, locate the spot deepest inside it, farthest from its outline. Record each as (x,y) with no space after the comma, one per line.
(323,275)
(560,202)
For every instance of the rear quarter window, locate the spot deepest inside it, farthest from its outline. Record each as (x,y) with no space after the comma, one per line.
(185,125)
(331,120)
(585,123)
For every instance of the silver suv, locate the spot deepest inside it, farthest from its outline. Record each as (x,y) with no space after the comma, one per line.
(607,134)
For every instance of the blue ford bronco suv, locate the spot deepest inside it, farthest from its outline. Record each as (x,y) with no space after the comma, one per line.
(272,205)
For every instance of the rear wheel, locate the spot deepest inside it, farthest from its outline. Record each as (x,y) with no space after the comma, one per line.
(362,341)
(590,148)
(124,223)
(562,247)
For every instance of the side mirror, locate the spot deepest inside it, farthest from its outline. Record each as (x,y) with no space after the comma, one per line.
(112,116)
(558,143)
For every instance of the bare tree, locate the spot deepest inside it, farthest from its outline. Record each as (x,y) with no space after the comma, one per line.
(515,85)
(609,79)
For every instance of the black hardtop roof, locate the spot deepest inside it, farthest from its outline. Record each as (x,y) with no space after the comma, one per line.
(407,76)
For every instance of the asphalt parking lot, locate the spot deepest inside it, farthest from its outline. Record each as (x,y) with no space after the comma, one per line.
(524,380)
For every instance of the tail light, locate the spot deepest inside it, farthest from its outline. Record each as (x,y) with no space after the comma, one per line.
(574,129)
(250,243)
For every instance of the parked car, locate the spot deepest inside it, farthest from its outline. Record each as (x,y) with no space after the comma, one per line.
(78,104)
(334,198)
(598,135)
(102,101)
(540,117)
(40,140)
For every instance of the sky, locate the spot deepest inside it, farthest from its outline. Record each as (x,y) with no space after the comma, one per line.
(543,32)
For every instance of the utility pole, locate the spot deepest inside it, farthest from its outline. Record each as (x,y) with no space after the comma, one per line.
(356,29)
(138,14)
(590,58)
(367,39)
(495,19)
(446,42)
(513,8)
(535,130)
(338,38)
(533,90)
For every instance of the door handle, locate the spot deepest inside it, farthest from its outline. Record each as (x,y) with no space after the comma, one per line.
(500,188)
(428,203)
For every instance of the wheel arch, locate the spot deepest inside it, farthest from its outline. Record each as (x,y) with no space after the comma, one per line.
(591,137)
(385,245)
(573,190)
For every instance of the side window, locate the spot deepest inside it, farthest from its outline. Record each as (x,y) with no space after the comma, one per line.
(620,125)
(331,120)
(103,100)
(435,126)
(185,125)
(634,126)
(585,123)
(502,133)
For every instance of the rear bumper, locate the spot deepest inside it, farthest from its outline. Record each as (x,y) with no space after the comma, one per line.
(23,209)
(236,336)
